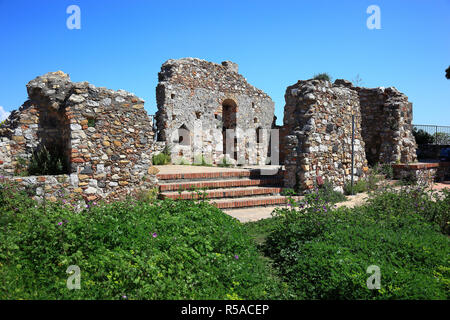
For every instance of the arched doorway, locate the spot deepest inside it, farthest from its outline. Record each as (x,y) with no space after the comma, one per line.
(229,109)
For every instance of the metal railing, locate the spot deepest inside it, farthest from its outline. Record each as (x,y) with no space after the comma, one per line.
(431,134)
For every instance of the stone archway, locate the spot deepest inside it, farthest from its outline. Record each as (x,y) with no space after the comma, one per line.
(229,110)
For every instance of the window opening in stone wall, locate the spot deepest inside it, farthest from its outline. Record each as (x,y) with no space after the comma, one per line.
(52,155)
(184,136)
(258,135)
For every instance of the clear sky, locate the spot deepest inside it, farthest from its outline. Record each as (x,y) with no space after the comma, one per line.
(122,44)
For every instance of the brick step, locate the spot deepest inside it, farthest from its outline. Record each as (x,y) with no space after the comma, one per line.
(173,177)
(222,193)
(216,184)
(249,202)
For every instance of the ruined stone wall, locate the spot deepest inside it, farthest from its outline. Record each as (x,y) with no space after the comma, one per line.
(387,125)
(318,126)
(199,97)
(106,136)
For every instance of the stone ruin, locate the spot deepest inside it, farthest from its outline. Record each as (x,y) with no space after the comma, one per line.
(199,102)
(107,140)
(317,131)
(104,137)
(387,125)
(318,119)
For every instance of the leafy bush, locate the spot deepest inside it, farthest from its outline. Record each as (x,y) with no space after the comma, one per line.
(322,76)
(21,167)
(324,254)
(328,194)
(160,159)
(200,160)
(358,187)
(288,192)
(147,195)
(441,138)
(224,163)
(160,250)
(384,169)
(422,137)
(325,192)
(47,162)
(164,157)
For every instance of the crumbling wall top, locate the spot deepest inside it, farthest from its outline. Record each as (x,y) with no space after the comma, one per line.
(194,73)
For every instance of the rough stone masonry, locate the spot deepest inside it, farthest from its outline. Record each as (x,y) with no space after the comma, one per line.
(105,137)
(317,131)
(318,119)
(107,140)
(199,100)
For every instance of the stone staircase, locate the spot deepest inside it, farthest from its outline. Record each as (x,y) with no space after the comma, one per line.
(226,189)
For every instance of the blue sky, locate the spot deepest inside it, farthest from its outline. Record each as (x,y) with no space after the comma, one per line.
(122,44)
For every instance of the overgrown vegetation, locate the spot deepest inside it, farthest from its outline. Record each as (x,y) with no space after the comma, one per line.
(322,76)
(325,191)
(328,194)
(182,161)
(384,169)
(164,249)
(200,160)
(358,187)
(323,253)
(42,162)
(422,137)
(133,249)
(224,163)
(162,158)
(47,162)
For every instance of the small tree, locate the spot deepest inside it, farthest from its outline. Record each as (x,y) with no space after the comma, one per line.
(47,162)
(357,81)
(422,137)
(322,76)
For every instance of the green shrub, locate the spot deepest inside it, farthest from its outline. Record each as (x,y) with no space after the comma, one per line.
(47,162)
(161,159)
(21,167)
(200,160)
(358,187)
(224,163)
(384,169)
(322,76)
(160,250)
(147,195)
(328,194)
(324,254)
(288,192)
(164,157)
(422,137)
